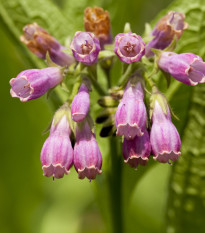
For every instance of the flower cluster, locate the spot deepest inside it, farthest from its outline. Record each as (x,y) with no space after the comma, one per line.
(125,108)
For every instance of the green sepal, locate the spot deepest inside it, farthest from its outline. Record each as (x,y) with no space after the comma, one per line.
(157,52)
(127,28)
(167,77)
(49,62)
(62,111)
(105,114)
(90,122)
(75,89)
(107,102)
(109,47)
(48,93)
(147,39)
(160,98)
(148,30)
(105,54)
(172,46)
(47,129)
(68,40)
(64,87)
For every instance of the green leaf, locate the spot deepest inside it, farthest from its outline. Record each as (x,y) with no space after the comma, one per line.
(186,201)
(15,14)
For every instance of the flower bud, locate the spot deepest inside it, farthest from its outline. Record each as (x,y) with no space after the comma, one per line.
(108,101)
(164,137)
(81,104)
(97,21)
(87,156)
(85,47)
(57,151)
(130,118)
(32,84)
(137,150)
(170,26)
(129,47)
(40,42)
(186,67)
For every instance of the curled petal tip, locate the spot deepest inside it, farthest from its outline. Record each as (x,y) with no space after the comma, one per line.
(89,172)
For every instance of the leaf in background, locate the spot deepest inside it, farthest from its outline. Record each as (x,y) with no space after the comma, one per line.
(186,201)
(15,14)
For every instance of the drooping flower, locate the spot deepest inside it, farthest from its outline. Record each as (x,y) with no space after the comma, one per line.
(137,150)
(170,26)
(97,21)
(32,84)
(85,47)
(164,137)
(186,67)
(130,118)
(39,42)
(57,151)
(129,47)
(81,104)
(87,156)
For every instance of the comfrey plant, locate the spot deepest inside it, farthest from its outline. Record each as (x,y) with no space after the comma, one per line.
(135,109)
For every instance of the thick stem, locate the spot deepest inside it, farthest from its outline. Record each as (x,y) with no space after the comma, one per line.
(115,187)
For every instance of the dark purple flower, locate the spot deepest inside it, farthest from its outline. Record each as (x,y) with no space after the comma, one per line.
(57,151)
(186,67)
(40,42)
(170,26)
(130,118)
(32,84)
(129,47)
(137,150)
(164,137)
(85,47)
(87,156)
(81,104)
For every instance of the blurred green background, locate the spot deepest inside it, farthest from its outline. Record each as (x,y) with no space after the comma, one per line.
(31,203)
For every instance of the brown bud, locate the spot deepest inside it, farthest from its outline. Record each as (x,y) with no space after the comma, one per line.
(38,40)
(169,27)
(172,24)
(97,21)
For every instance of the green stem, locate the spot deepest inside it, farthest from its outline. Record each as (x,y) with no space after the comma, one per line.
(126,74)
(107,72)
(97,86)
(172,89)
(115,187)
(149,81)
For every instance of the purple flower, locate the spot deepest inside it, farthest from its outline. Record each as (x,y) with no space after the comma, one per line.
(57,151)
(85,47)
(137,150)
(186,67)
(164,137)
(81,104)
(129,47)
(170,26)
(40,42)
(130,118)
(87,156)
(31,84)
